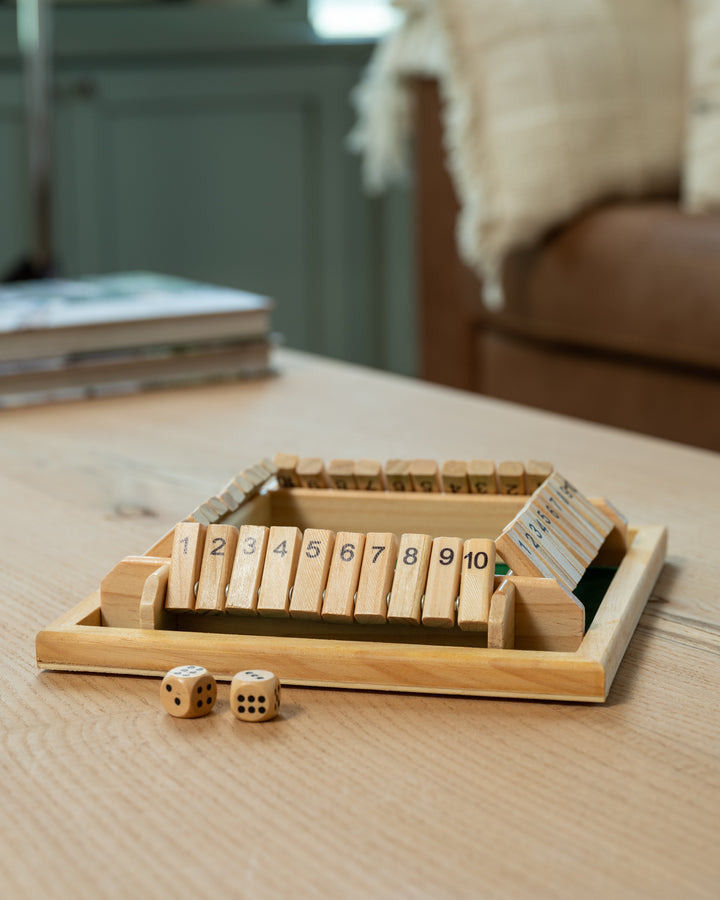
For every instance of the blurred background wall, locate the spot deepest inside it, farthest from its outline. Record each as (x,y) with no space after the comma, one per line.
(207,140)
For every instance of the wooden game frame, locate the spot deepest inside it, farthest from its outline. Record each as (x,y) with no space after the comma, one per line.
(79,641)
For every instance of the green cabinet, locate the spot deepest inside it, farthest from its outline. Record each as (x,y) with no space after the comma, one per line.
(228,167)
(14,190)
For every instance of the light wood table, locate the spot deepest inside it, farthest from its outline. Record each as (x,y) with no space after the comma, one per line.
(349,793)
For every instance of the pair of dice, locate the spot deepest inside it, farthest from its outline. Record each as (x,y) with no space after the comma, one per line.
(190,691)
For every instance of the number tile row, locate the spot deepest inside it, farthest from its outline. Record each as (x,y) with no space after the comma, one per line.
(478,476)
(557,534)
(423,475)
(237,491)
(341,577)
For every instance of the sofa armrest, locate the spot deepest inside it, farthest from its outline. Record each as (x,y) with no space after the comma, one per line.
(632,278)
(449,292)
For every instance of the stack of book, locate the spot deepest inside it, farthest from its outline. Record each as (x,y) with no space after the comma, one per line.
(118,333)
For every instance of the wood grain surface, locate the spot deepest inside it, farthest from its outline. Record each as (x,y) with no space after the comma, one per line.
(345,794)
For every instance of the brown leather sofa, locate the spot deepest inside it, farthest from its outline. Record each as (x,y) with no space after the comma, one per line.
(614,318)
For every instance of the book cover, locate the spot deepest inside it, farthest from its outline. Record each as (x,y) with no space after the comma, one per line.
(54,317)
(129,371)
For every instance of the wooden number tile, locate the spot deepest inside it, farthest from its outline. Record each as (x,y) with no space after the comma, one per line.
(547,550)
(281,561)
(577,514)
(511,478)
(560,508)
(579,506)
(477,572)
(286,475)
(269,466)
(563,517)
(582,505)
(205,514)
(501,623)
(408,587)
(539,549)
(217,564)
(339,603)
(563,557)
(247,487)
(397,473)
(219,505)
(569,564)
(368,475)
(523,560)
(376,575)
(202,516)
(618,519)
(536,472)
(454,477)
(610,511)
(312,572)
(311,472)
(575,549)
(443,582)
(232,496)
(341,474)
(242,592)
(185,562)
(256,476)
(570,547)
(481,476)
(425,475)
(547,536)
(570,536)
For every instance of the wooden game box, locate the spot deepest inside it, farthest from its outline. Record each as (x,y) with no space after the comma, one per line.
(556,642)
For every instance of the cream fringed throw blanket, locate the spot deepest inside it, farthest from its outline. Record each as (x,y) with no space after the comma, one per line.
(550,106)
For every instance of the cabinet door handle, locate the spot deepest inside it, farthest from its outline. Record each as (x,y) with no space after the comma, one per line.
(84,89)
(81,89)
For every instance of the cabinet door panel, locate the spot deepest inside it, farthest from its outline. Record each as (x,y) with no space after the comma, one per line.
(238,174)
(203,172)
(14,185)
(214,194)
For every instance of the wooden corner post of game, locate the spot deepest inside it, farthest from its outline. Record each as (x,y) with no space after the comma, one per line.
(457,578)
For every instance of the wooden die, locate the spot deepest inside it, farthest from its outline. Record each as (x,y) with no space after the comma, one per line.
(255,695)
(188,692)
